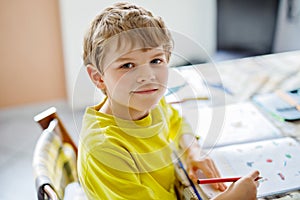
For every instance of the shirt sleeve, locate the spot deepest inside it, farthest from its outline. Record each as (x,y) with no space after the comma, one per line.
(112,174)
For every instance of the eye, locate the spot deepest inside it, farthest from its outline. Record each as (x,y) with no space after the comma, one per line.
(127,66)
(156,61)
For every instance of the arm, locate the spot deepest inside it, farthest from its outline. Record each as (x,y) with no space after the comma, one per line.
(185,140)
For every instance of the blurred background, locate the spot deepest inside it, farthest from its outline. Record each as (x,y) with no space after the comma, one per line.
(41,66)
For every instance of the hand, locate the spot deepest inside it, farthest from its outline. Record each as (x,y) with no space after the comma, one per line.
(245,188)
(207,167)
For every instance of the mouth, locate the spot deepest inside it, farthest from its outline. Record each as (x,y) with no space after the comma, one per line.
(145,91)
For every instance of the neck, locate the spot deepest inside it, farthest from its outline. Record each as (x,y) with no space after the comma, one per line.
(122,111)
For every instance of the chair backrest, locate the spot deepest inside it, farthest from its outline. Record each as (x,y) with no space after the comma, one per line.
(54,159)
(183,188)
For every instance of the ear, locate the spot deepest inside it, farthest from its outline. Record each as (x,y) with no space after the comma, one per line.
(95,76)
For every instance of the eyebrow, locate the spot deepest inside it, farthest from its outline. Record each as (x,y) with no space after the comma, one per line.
(158,54)
(122,59)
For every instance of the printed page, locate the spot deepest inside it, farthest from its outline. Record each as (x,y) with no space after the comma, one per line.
(278,161)
(241,123)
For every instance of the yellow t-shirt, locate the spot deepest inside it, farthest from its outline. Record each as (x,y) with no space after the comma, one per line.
(122,159)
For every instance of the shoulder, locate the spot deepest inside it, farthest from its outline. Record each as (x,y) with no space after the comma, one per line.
(168,109)
(106,155)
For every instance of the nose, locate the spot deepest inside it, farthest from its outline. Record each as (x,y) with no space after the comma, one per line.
(145,73)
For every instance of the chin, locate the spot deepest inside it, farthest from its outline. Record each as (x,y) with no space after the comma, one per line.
(145,105)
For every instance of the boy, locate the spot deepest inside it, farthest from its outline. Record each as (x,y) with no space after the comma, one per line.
(127,140)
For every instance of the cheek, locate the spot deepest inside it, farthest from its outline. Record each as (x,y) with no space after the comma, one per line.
(162,76)
(118,82)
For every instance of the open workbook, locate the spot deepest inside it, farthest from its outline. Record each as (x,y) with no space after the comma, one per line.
(248,141)
(233,124)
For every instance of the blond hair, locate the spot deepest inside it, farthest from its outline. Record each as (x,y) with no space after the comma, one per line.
(143,28)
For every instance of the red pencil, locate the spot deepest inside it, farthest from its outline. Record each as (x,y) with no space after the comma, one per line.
(220,180)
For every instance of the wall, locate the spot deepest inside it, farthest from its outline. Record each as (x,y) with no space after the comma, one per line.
(246,26)
(288,26)
(258,27)
(193,19)
(31,61)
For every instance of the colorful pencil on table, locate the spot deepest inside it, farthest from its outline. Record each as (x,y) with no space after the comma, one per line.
(287,98)
(220,180)
(189,99)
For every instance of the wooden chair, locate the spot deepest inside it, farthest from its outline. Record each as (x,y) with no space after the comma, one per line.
(183,187)
(54,159)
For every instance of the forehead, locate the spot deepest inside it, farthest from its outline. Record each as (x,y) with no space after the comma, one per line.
(115,51)
(141,54)
(128,41)
(121,55)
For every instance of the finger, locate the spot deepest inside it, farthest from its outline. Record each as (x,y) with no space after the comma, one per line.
(209,170)
(254,175)
(202,170)
(214,169)
(221,186)
(191,173)
(206,167)
(193,177)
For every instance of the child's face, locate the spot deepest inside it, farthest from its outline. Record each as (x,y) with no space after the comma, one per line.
(135,81)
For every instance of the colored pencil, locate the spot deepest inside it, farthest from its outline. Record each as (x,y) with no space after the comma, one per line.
(220,180)
(189,99)
(287,98)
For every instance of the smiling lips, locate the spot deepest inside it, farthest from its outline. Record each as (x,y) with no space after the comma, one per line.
(146,91)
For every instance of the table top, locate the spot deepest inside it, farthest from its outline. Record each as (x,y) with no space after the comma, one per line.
(242,78)
(250,76)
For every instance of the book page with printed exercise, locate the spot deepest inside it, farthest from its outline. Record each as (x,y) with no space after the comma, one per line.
(242,123)
(278,161)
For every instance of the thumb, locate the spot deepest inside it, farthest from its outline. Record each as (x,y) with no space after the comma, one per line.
(254,175)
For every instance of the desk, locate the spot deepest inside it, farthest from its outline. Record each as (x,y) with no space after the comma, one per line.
(248,76)
(263,74)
